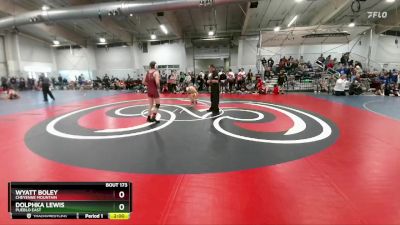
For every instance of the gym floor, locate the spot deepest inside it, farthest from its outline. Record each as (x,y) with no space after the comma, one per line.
(287,159)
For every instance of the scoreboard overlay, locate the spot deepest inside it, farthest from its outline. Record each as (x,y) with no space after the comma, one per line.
(70,200)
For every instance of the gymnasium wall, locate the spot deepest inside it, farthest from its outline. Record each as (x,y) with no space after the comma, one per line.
(116,61)
(247,53)
(10,52)
(73,62)
(234,57)
(165,54)
(3,61)
(203,64)
(22,53)
(384,52)
(120,61)
(35,56)
(189,59)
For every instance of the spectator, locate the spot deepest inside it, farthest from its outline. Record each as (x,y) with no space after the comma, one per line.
(65,81)
(200,81)
(53,81)
(163,80)
(330,65)
(4,84)
(282,63)
(249,75)
(341,69)
(335,63)
(13,83)
(264,62)
(281,80)
(261,88)
(321,58)
(276,89)
(193,78)
(340,86)
(231,80)
(22,84)
(358,70)
(270,62)
(240,79)
(182,77)
(396,81)
(187,81)
(345,59)
(60,81)
(172,81)
(106,81)
(32,83)
(301,60)
(222,80)
(201,74)
(327,60)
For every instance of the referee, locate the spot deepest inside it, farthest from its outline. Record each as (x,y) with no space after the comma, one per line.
(46,88)
(214,83)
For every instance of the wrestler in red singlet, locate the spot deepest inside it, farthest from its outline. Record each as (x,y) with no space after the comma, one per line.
(152,81)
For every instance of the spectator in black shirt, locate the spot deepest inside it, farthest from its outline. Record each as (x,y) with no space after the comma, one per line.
(270,62)
(193,78)
(13,83)
(4,84)
(53,81)
(22,83)
(60,81)
(281,81)
(264,62)
(163,80)
(345,59)
(106,81)
(321,58)
(200,82)
(249,76)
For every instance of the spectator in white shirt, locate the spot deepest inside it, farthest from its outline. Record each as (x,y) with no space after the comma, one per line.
(240,78)
(201,74)
(231,80)
(340,86)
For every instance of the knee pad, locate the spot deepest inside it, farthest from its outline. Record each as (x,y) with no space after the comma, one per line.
(157,106)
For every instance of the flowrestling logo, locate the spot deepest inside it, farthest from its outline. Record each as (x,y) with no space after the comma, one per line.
(245,134)
(380,15)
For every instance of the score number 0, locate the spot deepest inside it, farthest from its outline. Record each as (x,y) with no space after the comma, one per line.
(121,194)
